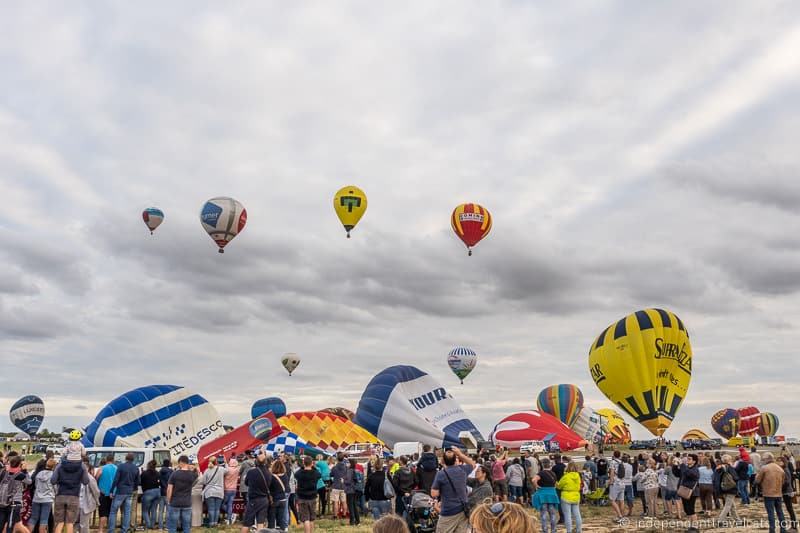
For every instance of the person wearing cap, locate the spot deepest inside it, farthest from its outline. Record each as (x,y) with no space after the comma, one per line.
(258,482)
(179,496)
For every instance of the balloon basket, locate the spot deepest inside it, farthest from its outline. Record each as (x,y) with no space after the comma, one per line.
(469,253)
(221,251)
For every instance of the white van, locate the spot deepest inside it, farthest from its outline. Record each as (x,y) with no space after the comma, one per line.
(407,448)
(141,456)
(534,446)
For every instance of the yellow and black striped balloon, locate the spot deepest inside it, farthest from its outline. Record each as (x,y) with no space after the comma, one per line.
(643,363)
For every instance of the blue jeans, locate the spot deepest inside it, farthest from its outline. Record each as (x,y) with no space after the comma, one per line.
(40,512)
(124,501)
(773,505)
(162,512)
(150,499)
(213,504)
(227,502)
(380,508)
(182,513)
(743,486)
(570,511)
(278,514)
(549,517)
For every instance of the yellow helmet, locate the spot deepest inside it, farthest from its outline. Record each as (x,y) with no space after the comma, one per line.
(75,434)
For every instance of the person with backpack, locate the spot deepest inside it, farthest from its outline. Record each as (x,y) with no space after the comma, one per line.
(67,479)
(725,483)
(13,479)
(213,483)
(616,492)
(426,469)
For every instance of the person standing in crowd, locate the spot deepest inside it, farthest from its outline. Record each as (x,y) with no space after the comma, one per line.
(360,484)
(515,477)
(163,478)
(179,496)
(322,485)
(278,516)
(426,469)
(379,502)
(126,483)
(258,481)
(105,479)
(390,524)
(602,472)
(545,499)
(307,492)
(40,466)
(43,497)
(590,465)
(481,485)
(151,493)
(403,482)
(213,483)
(16,474)
(67,479)
(770,478)
(570,487)
(351,494)
(706,485)
(616,492)
(689,478)
(647,481)
(531,465)
(88,499)
(245,466)
(499,477)
(788,489)
(450,487)
(742,467)
(673,480)
(725,481)
(230,482)
(500,518)
(338,497)
(756,462)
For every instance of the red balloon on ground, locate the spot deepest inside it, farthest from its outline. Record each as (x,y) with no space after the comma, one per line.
(519,428)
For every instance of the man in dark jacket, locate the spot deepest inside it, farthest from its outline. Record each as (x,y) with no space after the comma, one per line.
(338,496)
(126,483)
(258,481)
(426,469)
(68,478)
(403,482)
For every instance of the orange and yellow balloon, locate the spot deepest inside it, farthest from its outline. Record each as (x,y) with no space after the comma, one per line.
(471,223)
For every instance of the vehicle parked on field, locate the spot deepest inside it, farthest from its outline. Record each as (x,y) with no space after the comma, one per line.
(534,446)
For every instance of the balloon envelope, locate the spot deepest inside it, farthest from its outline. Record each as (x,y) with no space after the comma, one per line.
(156,416)
(694,434)
(561,401)
(339,411)
(462,361)
(768,425)
(350,203)
(223,219)
(263,405)
(750,420)
(292,444)
(726,423)
(643,363)
(471,223)
(618,430)
(290,361)
(516,429)
(403,403)
(325,431)
(153,217)
(27,414)
(589,425)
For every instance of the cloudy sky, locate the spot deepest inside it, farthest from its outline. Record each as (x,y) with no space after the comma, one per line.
(632,156)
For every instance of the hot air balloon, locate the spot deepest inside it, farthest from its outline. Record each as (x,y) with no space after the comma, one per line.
(588,424)
(768,425)
(726,423)
(750,419)
(471,222)
(643,363)
(156,416)
(562,401)
(404,404)
(328,432)
(290,362)
(462,361)
(350,203)
(694,434)
(27,414)
(618,430)
(263,405)
(519,428)
(291,444)
(153,217)
(223,219)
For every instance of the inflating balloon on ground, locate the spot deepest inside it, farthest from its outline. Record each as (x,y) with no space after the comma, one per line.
(248,436)
(326,431)
(516,429)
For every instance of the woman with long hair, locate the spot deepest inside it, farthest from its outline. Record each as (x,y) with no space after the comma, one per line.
(501,517)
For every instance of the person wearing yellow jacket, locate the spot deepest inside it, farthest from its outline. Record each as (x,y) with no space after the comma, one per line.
(570,487)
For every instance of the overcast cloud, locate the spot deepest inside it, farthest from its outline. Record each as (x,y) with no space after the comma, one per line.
(632,155)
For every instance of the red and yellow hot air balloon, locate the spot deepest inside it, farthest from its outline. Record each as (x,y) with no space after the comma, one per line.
(750,421)
(471,222)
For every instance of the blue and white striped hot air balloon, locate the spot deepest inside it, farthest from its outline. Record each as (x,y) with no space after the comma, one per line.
(156,416)
(462,361)
(27,414)
(403,403)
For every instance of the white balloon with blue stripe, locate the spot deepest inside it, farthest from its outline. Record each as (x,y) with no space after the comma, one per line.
(403,403)
(156,416)
(462,361)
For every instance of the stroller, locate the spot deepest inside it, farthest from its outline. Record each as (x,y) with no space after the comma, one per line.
(421,514)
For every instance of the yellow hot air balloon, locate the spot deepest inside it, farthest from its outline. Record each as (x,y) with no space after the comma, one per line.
(350,204)
(643,364)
